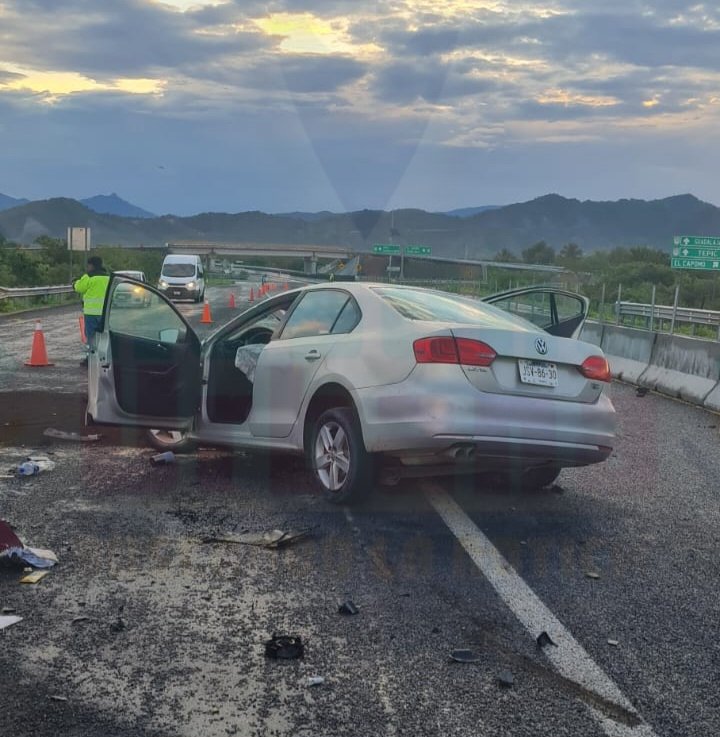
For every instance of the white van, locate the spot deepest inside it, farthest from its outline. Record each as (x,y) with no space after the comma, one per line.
(182,277)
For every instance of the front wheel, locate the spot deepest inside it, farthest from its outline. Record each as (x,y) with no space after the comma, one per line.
(339,462)
(175,440)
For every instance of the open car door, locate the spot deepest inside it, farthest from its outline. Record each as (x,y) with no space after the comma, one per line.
(144,368)
(556,311)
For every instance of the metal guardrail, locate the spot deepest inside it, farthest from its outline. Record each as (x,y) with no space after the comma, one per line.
(654,315)
(25,292)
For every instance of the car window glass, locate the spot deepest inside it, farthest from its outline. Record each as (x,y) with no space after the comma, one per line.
(438,307)
(316,314)
(533,306)
(271,321)
(178,270)
(348,318)
(568,307)
(137,312)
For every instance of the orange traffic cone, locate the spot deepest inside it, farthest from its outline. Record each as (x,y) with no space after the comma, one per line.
(206,319)
(252,295)
(232,301)
(38,354)
(83,337)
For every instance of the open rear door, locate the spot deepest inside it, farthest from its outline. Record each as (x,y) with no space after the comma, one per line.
(144,369)
(556,311)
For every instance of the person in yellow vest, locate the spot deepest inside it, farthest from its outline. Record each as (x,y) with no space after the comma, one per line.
(92,286)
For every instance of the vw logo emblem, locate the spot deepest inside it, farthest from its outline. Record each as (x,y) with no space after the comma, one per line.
(541,346)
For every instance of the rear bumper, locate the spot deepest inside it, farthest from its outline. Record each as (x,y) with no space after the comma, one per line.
(428,415)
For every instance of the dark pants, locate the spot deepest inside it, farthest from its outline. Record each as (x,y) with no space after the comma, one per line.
(92,323)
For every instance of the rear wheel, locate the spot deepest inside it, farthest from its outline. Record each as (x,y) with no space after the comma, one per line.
(538,478)
(339,462)
(175,440)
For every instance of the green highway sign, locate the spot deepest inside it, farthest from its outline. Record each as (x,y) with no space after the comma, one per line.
(696,240)
(696,252)
(418,250)
(695,263)
(386,249)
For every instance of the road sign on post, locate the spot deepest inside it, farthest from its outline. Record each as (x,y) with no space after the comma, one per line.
(78,239)
(386,249)
(696,252)
(697,240)
(418,250)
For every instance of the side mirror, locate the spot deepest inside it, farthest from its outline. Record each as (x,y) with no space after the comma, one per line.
(169,335)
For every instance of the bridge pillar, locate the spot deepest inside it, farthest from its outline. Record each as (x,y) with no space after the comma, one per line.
(310,265)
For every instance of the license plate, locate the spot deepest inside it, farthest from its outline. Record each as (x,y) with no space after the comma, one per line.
(177,293)
(540,373)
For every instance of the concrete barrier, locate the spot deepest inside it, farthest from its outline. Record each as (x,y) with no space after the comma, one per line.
(683,367)
(628,350)
(592,332)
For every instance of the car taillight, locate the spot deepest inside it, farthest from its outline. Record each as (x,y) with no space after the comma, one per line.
(445,349)
(596,368)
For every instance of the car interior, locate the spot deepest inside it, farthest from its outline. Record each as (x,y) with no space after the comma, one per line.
(229,391)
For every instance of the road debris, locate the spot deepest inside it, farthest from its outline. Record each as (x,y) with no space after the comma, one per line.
(315,681)
(641,391)
(544,639)
(77,620)
(592,574)
(614,643)
(165,458)
(13,550)
(284,647)
(465,656)
(7,621)
(348,608)
(8,610)
(506,679)
(34,577)
(55,697)
(119,624)
(272,539)
(51,432)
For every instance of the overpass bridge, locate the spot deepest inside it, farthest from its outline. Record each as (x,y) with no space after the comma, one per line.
(310,254)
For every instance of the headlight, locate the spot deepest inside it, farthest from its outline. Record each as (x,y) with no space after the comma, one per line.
(190,285)
(137,290)
(162,284)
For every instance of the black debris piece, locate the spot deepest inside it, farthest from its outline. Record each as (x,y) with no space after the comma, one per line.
(348,608)
(506,679)
(464,656)
(641,391)
(544,639)
(284,647)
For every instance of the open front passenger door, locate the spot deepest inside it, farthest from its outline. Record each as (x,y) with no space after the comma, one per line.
(144,369)
(556,311)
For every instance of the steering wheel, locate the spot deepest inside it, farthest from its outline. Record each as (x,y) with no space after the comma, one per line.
(257,336)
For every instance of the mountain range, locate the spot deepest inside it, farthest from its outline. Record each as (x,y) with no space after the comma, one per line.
(554,219)
(105,204)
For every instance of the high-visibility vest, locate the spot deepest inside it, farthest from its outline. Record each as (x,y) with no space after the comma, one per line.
(92,288)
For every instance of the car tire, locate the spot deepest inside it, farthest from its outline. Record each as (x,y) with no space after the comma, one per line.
(341,467)
(538,478)
(174,440)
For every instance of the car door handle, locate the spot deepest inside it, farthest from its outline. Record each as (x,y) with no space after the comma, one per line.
(312,355)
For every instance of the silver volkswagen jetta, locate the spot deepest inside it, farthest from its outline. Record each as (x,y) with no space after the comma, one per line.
(364,378)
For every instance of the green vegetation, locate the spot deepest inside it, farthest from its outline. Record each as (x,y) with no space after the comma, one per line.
(50,263)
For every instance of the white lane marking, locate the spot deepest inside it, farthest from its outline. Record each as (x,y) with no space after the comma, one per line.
(569,657)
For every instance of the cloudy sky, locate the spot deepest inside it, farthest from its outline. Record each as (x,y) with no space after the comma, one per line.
(186,106)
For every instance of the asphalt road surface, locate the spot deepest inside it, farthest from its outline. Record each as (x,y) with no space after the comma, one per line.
(147,628)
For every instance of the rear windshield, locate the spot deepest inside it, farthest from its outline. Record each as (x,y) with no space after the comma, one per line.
(416,304)
(179,270)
